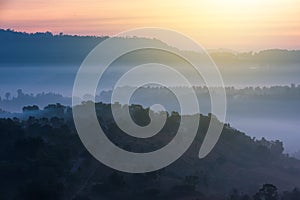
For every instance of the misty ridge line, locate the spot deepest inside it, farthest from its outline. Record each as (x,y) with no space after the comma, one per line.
(230,90)
(48,48)
(13,103)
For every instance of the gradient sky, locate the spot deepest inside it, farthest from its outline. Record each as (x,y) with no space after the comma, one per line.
(233,24)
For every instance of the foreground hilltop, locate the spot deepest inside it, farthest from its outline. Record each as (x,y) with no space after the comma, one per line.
(43,158)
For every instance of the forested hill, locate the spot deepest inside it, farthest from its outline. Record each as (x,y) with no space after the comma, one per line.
(47,48)
(42,158)
(44,48)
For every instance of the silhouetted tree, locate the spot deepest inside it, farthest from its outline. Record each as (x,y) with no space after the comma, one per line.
(277,148)
(7,95)
(30,108)
(20,93)
(267,192)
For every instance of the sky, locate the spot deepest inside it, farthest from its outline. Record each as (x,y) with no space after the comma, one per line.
(230,24)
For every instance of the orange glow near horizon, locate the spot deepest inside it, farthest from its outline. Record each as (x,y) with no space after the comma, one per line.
(233,24)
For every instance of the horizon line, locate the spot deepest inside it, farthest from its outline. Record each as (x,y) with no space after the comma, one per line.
(219,49)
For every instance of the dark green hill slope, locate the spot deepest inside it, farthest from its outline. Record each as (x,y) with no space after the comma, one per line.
(43,158)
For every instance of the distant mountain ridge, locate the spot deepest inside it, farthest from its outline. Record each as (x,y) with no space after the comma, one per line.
(47,48)
(27,48)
